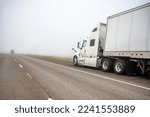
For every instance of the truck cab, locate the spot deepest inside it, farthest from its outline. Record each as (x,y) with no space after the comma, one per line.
(90,49)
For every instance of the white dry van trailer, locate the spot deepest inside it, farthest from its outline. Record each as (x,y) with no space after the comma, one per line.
(122,45)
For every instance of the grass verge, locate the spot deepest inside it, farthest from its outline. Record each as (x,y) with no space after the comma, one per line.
(67,60)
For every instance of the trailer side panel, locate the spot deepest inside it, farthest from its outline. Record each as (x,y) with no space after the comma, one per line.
(129,32)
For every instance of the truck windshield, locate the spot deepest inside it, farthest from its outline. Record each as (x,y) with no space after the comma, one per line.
(84,43)
(94,30)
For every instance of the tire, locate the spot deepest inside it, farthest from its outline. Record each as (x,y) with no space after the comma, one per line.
(75,61)
(107,65)
(120,67)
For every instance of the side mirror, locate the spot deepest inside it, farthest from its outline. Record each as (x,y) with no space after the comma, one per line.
(78,45)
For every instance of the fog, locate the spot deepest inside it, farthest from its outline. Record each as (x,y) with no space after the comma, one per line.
(53,27)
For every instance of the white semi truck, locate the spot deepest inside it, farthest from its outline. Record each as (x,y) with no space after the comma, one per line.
(122,45)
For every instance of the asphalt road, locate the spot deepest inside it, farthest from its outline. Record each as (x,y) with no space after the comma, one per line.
(23,77)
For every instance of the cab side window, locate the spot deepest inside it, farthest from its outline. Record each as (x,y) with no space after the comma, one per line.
(92,42)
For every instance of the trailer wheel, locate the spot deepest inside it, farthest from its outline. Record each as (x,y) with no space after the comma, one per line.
(107,65)
(75,61)
(120,66)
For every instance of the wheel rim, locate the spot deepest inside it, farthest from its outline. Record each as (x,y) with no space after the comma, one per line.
(118,67)
(105,65)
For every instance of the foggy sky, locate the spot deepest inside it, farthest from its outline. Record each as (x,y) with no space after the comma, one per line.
(53,27)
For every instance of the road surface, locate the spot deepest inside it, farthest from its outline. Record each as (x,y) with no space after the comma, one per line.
(23,77)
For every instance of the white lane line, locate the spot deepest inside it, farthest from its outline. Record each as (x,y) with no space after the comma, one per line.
(29,75)
(20,65)
(101,76)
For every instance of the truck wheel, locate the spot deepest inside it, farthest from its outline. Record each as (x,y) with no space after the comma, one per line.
(75,61)
(107,65)
(120,66)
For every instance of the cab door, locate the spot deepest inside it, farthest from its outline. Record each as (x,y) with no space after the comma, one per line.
(81,59)
(91,53)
